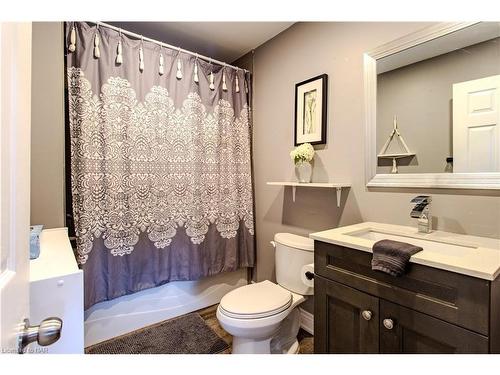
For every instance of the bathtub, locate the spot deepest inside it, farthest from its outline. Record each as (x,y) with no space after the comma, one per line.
(109,319)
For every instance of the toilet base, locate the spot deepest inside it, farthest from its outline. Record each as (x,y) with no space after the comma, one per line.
(247,346)
(251,346)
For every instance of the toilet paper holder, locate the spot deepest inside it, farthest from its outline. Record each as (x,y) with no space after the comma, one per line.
(309,275)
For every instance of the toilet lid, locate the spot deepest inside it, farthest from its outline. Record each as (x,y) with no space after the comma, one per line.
(297,242)
(257,300)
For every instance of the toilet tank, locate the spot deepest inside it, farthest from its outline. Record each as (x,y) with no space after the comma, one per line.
(292,253)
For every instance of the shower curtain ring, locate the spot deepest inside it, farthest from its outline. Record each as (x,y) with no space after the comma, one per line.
(141,55)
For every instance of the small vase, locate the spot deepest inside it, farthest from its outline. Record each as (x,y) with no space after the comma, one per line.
(303,171)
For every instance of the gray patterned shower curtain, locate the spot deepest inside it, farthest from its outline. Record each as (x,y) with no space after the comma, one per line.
(160,164)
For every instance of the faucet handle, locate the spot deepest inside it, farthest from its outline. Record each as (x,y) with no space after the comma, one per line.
(426,199)
(421,211)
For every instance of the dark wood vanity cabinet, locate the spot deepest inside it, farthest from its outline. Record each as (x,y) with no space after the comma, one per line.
(414,332)
(427,310)
(338,323)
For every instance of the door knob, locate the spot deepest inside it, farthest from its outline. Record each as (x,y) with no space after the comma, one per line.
(388,323)
(366,314)
(47,333)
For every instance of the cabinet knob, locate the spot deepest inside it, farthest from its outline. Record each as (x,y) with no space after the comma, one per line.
(366,314)
(388,323)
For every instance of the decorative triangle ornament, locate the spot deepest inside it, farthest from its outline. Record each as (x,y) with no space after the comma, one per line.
(395,134)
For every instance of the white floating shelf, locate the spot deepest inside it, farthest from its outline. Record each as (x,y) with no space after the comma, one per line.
(332,185)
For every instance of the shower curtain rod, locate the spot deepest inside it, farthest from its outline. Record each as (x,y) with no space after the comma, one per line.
(138,36)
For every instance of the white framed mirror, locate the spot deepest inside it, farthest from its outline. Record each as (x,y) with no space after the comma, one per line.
(432,102)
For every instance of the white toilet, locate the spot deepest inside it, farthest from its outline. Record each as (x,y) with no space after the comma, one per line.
(262,317)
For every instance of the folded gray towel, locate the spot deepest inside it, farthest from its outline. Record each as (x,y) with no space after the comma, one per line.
(392,256)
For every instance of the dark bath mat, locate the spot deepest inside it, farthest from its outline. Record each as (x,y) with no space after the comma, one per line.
(187,334)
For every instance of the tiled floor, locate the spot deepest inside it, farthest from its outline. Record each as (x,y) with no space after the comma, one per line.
(305,339)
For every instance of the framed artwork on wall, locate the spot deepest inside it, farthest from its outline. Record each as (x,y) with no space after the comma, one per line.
(310,110)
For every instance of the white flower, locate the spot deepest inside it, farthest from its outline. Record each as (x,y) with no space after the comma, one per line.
(304,152)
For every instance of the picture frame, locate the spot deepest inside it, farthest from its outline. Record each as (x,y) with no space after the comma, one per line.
(311,101)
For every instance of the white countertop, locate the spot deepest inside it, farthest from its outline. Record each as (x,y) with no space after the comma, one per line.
(481,257)
(56,256)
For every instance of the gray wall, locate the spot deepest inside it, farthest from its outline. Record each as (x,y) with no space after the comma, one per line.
(421,96)
(303,51)
(47,125)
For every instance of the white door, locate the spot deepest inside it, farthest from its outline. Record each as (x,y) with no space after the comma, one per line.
(15,117)
(476,132)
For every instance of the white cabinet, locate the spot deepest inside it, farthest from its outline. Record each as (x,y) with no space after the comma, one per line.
(56,289)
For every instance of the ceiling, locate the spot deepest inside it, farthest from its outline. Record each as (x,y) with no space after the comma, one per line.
(225,41)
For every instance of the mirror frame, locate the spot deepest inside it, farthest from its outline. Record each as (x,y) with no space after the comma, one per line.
(490,180)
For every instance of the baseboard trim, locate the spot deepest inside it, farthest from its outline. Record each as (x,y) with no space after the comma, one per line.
(306,321)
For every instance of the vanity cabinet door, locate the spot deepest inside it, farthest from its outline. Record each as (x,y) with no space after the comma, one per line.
(403,330)
(345,319)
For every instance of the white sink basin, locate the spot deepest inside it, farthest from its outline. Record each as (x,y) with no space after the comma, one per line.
(449,248)
(465,254)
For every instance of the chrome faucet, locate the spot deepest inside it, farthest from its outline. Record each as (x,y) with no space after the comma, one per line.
(422,212)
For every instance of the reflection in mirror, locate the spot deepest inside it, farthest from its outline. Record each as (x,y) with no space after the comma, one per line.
(445,96)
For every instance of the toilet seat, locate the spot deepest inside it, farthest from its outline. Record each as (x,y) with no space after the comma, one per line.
(255,301)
